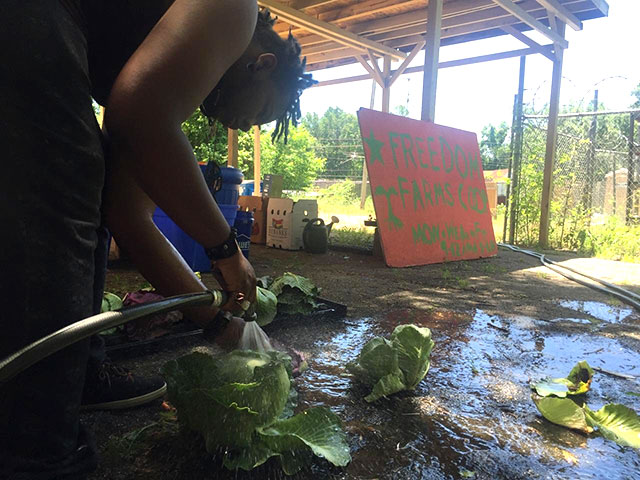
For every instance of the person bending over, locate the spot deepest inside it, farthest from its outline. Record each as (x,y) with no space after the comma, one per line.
(151,63)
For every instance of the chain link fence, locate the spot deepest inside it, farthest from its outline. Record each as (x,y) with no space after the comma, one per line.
(596,177)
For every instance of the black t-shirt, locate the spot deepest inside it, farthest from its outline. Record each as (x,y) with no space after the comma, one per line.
(114,29)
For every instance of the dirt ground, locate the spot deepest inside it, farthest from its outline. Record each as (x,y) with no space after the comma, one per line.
(506,288)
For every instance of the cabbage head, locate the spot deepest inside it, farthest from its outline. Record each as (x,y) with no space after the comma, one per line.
(390,366)
(241,403)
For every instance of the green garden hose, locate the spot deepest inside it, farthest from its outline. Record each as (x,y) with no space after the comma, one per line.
(42,348)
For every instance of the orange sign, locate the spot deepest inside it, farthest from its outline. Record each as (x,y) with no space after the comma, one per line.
(428,190)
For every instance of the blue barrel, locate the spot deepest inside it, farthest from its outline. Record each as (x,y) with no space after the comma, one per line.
(244,224)
(191,251)
(231,185)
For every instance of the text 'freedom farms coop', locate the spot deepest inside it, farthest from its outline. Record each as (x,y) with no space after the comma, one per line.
(428,190)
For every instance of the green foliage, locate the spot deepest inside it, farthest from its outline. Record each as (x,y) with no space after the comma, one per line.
(343,193)
(636,93)
(237,402)
(395,365)
(494,147)
(208,144)
(296,161)
(338,140)
(352,237)
(401,110)
(613,240)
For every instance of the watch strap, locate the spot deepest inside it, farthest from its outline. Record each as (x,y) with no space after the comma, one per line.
(226,249)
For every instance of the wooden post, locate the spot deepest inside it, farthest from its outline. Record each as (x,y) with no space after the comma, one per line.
(631,169)
(256,160)
(587,199)
(552,137)
(365,179)
(386,89)
(232,148)
(431,57)
(507,200)
(517,153)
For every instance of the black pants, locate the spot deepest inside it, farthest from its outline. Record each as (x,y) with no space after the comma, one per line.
(51,269)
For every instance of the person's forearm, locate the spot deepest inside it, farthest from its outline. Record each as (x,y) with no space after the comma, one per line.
(159,262)
(165,167)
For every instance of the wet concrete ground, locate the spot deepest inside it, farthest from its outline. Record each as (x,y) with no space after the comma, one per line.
(497,324)
(472,416)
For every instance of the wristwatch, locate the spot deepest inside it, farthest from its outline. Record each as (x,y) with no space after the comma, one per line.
(226,249)
(217,325)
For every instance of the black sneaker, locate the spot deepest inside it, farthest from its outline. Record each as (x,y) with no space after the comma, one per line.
(113,387)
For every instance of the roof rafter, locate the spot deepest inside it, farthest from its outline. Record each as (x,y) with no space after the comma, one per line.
(562,13)
(522,14)
(328,30)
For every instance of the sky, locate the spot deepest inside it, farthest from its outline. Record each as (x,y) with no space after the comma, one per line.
(604,55)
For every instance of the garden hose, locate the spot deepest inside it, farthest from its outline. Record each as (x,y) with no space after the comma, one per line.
(626,296)
(36,351)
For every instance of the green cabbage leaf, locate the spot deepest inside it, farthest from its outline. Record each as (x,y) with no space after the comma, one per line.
(613,421)
(242,402)
(266,306)
(296,294)
(390,366)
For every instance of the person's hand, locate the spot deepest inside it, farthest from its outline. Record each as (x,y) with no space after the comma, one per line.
(229,337)
(236,276)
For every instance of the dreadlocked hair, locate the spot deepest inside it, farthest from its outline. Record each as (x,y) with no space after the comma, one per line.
(289,73)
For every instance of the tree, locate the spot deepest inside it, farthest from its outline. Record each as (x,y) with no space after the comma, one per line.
(207,144)
(494,148)
(338,140)
(636,93)
(401,110)
(296,161)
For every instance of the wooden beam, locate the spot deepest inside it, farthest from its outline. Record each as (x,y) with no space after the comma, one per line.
(431,58)
(403,66)
(328,30)
(375,66)
(521,14)
(552,138)
(415,33)
(232,148)
(373,73)
(562,13)
(302,4)
(527,41)
(448,64)
(256,160)
(358,10)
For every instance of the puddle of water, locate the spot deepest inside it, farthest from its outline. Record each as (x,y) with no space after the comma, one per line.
(473,411)
(598,310)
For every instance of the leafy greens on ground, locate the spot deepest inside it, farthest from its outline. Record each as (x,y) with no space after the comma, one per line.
(296,294)
(558,401)
(242,404)
(390,366)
